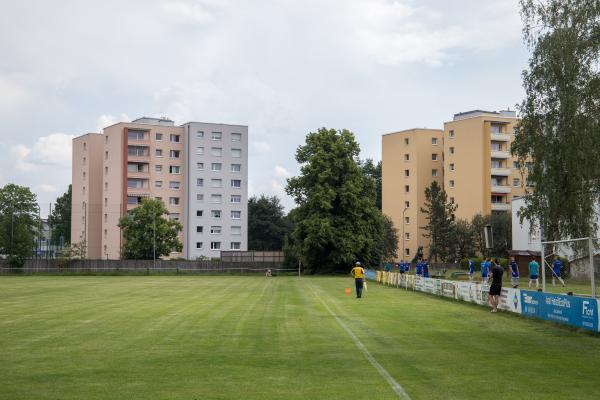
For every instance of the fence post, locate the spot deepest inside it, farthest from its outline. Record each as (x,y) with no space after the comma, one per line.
(592,270)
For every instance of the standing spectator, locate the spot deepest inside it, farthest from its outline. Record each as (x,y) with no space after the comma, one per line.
(471,269)
(358,273)
(534,269)
(557,266)
(485,270)
(514,273)
(496,287)
(419,267)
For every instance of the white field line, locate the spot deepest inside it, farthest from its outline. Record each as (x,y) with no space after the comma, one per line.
(396,387)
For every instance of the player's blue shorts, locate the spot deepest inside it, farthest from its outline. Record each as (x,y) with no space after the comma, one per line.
(557,273)
(484,275)
(533,277)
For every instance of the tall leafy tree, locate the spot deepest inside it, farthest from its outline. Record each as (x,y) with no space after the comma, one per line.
(502,233)
(390,239)
(440,216)
(478,223)
(19,223)
(336,220)
(267,225)
(60,219)
(373,171)
(560,128)
(147,225)
(464,239)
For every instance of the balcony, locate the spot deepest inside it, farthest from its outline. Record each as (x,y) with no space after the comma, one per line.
(500,207)
(501,171)
(500,137)
(501,189)
(500,154)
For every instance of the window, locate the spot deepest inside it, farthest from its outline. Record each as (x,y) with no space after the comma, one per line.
(174,216)
(406,141)
(173,201)
(158,168)
(236,230)
(236,183)
(215,230)
(105,170)
(236,137)
(200,182)
(199,151)
(451,150)
(216,136)
(174,169)
(106,139)
(496,146)
(451,200)
(83,161)
(216,151)
(452,167)
(200,166)
(434,172)
(406,172)
(105,217)
(516,182)
(235,246)
(174,138)
(236,214)
(83,190)
(236,167)
(451,133)
(407,220)
(434,141)
(199,229)
(215,167)
(406,157)
(132,200)
(516,165)
(406,236)
(158,152)
(199,213)
(84,175)
(496,128)
(215,245)
(105,202)
(105,156)
(158,136)
(137,151)
(235,198)
(216,183)
(496,164)
(200,197)
(406,204)
(216,198)
(406,188)
(158,198)
(133,183)
(215,213)
(135,135)
(434,157)
(200,135)
(407,252)
(199,245)
(174,154)
(237,153)
(105,185)
(174,185)
(84,146)
(451,183)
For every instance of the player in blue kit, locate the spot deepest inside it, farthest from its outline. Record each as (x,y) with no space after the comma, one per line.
(485,270)
(419,267)
(557,266)
(514,273)
(471,269)
(425,269)
(534,269)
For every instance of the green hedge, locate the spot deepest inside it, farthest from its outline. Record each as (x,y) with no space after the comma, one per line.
(464,263)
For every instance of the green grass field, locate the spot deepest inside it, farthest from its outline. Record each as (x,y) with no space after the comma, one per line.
(192,337)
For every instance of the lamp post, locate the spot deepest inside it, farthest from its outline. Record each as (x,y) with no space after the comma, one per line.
(154,242)
(403,223)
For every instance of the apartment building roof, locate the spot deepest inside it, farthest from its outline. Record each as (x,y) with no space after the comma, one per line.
(483,113)
(412,130)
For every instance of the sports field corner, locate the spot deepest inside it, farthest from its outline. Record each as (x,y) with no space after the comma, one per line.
(231,337)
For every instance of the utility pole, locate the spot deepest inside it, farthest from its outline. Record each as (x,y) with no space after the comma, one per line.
(154,242)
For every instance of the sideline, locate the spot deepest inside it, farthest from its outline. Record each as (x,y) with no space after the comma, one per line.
(382,371)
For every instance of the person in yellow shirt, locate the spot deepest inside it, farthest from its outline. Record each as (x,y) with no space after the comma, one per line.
(358,272)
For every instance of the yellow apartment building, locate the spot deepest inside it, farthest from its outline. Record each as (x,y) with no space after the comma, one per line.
(480,174)
(411,160)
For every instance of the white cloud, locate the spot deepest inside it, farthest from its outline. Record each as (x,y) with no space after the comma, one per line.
(281,172)
(46,188)
(107,120)
(189,11)
(261,147)
(52,150)
(13,95)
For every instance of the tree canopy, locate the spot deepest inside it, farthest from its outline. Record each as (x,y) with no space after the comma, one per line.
(18,223)
(60,219)
(559,133)
(440,216)
(143,225)
(337,220)
(267,225)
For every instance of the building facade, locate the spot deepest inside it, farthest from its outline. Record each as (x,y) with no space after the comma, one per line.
(411,161)
(470,158)
(151,158)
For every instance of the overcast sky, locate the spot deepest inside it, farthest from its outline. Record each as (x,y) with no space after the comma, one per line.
(284,68)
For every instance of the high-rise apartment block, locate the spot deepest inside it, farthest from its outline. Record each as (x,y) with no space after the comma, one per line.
(198,170)
(470,158)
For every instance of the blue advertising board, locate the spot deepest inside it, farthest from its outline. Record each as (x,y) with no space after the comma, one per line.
(581,312)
